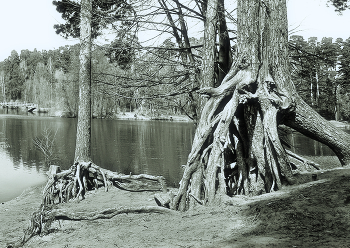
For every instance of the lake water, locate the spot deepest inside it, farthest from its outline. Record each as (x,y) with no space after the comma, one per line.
(152,147)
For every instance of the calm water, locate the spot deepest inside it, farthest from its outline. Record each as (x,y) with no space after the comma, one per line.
(152,147)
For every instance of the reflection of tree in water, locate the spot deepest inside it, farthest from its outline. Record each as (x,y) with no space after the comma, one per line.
(18,136)
(305,146)
(156,148)
(46,144)
(13,130)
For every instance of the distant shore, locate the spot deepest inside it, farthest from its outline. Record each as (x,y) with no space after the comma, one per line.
(127,116)
(136,116)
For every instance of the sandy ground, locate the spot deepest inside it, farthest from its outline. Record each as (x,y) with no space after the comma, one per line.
(312,214)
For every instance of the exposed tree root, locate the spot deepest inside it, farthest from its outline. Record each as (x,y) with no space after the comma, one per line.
(73,183)
(237,149)
(42,219)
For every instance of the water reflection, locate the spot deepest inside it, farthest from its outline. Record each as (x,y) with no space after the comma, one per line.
(304,146)
(152,147)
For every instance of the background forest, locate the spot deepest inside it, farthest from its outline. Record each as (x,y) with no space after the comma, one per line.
(158,80)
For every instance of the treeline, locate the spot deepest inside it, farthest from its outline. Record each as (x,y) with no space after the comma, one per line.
(46,78)
(123,80)
(321,74)
(154,81)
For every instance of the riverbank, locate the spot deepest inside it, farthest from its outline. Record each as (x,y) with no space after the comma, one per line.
(163,117)
(127,116)
(141,116)
(313,214)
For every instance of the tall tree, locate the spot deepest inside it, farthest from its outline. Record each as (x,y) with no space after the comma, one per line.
(340,5)
(236,145)
(103,13)
(343,82)
(209,47)
(86,20)
(83,140)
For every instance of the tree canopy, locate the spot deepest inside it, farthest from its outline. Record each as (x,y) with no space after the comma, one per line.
(340,5)
(104,13)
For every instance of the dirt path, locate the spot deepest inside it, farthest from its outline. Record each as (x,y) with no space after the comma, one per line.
(314,214)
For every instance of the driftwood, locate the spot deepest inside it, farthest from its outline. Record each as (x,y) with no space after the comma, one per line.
(74,182)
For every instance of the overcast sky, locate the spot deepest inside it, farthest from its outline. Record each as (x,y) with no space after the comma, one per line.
(28,24)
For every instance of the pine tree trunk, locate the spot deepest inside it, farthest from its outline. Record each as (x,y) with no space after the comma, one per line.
(83,140)
(337,102)
(305,120)
(236,147)
(209,48)
(224,60)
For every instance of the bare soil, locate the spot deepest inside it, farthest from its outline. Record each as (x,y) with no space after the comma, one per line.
(310,214)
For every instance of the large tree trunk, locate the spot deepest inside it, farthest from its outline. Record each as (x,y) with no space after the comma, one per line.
(83,140)
(305,120)
(225,55)
(236,147)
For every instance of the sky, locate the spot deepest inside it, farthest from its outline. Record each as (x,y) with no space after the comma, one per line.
(28,24)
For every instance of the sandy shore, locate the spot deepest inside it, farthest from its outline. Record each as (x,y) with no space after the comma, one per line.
(313,214)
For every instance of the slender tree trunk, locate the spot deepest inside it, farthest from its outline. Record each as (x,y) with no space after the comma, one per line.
(183,42)
(83,140)
(311,91)
(337,100)
(317,87)
(209,48)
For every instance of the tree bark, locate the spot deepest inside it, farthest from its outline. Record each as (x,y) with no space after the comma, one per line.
(224,59)
(306,121)
(83,140)
(209,48)
(236,146)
